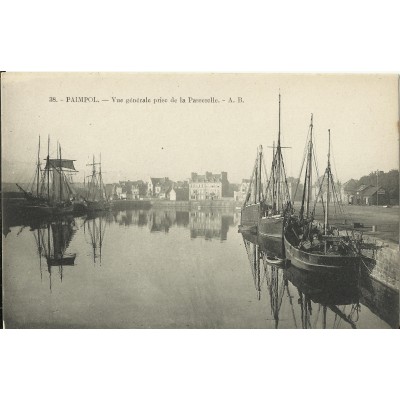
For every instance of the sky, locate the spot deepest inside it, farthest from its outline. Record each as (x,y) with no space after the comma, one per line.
(168,139)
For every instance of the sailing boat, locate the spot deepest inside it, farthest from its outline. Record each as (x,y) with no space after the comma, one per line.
(96,198)
(277,193)
(308,244)
(51,192)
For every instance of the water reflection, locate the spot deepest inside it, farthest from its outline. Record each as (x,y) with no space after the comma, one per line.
(202,224)
(317,294)
(52,240)
(198,282)
(94,226)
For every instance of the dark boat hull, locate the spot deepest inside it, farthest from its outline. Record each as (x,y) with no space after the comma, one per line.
(46,210)
(319,262)
(61,261)
(97,206)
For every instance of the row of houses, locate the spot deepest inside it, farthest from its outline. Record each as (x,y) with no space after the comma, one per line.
(348,193)
(212,186)
(199,187)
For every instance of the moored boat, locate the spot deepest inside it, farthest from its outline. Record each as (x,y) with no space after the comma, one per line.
(51,192)
(96,198)
(313,246)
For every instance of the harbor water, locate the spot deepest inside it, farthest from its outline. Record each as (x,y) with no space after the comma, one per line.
(160,268)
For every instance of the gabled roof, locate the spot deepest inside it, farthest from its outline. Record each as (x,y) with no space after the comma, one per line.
(362,187)
(371,190)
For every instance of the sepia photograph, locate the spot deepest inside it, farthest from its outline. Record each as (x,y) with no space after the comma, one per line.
(200,200)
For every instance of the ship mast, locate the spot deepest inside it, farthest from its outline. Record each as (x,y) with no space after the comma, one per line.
(256,180)
(259,173)
(48,168)
(61,193)
(38,170)
(308,176)
(278,155)
(328,171)
(309,168)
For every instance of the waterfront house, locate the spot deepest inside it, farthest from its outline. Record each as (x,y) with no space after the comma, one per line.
(208,186)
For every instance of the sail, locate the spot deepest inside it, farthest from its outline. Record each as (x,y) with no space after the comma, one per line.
(60,188)
(53,163)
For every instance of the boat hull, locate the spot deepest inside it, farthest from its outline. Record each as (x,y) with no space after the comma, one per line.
(271,226)
(97,206)
(35,210)
(319,262)
(250,215)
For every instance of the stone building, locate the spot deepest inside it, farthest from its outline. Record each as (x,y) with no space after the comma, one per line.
(208,186)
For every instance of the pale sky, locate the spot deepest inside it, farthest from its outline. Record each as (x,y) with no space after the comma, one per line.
(173,139)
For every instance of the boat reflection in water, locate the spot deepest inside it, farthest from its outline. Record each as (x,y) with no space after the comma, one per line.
(94,227)
(53,238)
(321,297)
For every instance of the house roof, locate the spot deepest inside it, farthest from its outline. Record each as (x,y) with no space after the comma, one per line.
(210,178)
(371,190)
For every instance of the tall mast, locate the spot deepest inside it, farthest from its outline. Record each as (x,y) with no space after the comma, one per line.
(48,168)
(309,168)
(100,180)
(256,181)
(60,174)
(259,172)
(278,155)
(38,170)
(328,172)
(273,177)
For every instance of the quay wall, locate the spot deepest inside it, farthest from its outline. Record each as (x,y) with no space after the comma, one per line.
(384,261)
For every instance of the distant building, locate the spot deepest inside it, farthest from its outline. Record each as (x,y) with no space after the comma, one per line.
(370,195)
(240,194)
(348,191)
(158,187)
(208,186)
(129,190)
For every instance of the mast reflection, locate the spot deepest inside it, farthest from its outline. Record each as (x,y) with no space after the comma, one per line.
(322,299)
(53,238)
(94,228)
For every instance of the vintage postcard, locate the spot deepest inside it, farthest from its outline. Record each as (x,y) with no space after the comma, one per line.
(172,200)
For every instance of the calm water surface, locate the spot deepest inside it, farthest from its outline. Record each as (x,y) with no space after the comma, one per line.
(171,269)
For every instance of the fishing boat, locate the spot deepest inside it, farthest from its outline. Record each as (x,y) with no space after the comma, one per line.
(277,192)
(312,245)
(96,198)
(51,192)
